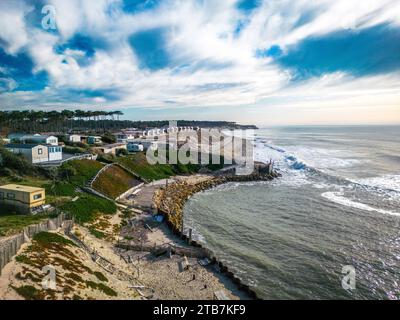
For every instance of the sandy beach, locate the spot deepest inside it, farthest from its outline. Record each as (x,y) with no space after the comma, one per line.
(139,273)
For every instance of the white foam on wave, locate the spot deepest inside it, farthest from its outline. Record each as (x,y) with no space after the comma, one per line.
(290,175)
(320,158)
(338,197)
(388,182)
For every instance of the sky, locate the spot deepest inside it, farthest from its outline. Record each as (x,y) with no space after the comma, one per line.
(266,62)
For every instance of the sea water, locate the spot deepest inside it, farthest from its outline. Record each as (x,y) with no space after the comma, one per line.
(337,204)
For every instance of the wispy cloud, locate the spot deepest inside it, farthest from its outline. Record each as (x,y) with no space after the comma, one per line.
(192,53)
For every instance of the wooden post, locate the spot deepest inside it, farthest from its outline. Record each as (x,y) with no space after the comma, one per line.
(182,226)
(190,235)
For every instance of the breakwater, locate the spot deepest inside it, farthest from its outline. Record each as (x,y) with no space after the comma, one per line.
(170,200)
(10,246)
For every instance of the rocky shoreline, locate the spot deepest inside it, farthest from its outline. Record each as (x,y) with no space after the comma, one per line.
(170,200)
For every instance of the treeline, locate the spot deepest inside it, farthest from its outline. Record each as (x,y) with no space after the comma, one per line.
(31,121)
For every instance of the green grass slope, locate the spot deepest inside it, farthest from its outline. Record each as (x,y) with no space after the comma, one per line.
(114,181)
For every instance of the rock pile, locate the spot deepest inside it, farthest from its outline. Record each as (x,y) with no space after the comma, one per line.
(171,199)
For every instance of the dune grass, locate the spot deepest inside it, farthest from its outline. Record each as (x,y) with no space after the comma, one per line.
(12,223)
(138,163)
(76,173)
(114,181)
(88,207)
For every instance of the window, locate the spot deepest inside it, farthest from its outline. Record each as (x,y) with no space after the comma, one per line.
(1,195)
(40,151)
(37,196)
(10,195)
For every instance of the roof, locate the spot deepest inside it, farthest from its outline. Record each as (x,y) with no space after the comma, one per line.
(17,187)
(37,137)
(16,135)
(22,145)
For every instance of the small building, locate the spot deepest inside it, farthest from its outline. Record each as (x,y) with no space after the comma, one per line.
(94,140)
(147,144)
(15,136)
(34,138)
(36,153)
(55,153)
(134,147)
(23,198)
(74,138)
(125,135)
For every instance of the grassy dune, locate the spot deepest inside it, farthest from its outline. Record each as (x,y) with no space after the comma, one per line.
(74,174)
(114,181)
(138,164)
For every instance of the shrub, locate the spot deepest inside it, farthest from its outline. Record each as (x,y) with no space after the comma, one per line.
(88,207)
(98,234)
(100,276)
(11,223)
(28,292)
(122,152)
(15,162)
(108,138)
(46,238)
(106,158)
(83,170)
(73,150)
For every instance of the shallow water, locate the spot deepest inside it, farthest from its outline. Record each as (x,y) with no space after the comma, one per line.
(337,204)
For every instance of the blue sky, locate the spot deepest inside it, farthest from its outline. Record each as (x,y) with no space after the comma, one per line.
(255,61)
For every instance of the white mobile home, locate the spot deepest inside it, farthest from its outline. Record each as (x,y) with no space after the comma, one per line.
(94,140)
(74,138)
(134,147)
(34,139)
(36,153)
(55,153)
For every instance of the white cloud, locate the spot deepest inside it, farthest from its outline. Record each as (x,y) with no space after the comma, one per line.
(199,33)
(7,84)
(12,25)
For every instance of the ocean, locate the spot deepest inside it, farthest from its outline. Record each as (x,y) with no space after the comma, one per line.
(337,204)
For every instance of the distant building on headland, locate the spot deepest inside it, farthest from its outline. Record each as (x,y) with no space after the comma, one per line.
(23,199)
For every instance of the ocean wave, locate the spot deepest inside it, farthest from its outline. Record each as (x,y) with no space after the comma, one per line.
(388,182)
(319,171)
(301,158)
(339,198)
